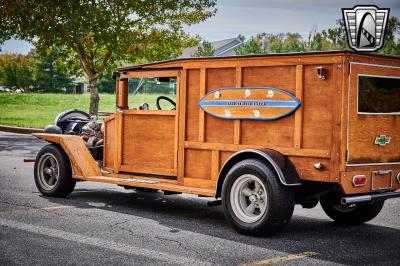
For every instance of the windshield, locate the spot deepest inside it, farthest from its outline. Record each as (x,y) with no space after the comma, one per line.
(144,91)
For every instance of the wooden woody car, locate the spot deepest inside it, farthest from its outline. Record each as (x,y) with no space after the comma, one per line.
(260,133)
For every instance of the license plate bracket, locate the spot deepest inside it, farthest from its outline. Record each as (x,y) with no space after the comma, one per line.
(382,180)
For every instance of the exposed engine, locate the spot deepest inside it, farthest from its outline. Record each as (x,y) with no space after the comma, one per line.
(76,122)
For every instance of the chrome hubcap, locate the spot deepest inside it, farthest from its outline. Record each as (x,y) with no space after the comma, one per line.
(248,198)
(48,171)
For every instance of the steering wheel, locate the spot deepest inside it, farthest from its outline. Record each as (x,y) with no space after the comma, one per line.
(166,99)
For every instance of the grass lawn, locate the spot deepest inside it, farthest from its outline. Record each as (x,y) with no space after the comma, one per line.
(39,110)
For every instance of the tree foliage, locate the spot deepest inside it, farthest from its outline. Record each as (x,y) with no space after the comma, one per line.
(16,71)
(36,72)
(102,32)
(205,49)
(330,39)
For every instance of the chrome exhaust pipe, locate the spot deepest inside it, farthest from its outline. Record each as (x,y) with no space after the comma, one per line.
(370,197)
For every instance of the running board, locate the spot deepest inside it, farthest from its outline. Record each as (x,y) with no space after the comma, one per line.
(149,183)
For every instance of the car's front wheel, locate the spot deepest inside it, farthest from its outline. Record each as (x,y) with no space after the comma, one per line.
(52,171)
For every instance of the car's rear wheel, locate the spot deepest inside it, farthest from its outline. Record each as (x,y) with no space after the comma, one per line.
(254,200)
(52,171)
(352,214)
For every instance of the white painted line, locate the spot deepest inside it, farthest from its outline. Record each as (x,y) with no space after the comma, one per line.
(101,243)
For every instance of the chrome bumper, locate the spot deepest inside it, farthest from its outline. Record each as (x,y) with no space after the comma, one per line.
(370,197)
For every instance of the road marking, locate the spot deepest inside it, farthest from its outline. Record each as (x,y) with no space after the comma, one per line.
(40,209)
(281,259)
(101,243)
(56,207)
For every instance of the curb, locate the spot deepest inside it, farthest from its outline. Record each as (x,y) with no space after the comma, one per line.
(20,130)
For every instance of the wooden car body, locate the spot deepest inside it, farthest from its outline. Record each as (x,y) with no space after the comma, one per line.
(321,137)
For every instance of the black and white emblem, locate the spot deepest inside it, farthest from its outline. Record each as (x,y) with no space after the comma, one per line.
(365,26)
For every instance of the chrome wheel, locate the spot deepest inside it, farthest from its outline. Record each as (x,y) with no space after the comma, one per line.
(48,171)
(248,198)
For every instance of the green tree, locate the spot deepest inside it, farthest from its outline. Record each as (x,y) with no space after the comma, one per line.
(50,73)
(391,43)
(205,49)
(253,46)
(16,71)
(99,33)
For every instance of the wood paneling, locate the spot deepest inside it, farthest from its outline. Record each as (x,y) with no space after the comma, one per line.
(192,109)
(202,90)
(215,164)
(237,129)
(181,121)
(298,119)
(224,156)
(81,160)
(318,108)
(198,164)
(219,130)
(149,142)
(151,74)
(199,183)
(363,129)
(234,147)
(109,143)
(278,133)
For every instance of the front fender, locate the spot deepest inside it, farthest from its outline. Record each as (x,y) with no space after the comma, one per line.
(82,162)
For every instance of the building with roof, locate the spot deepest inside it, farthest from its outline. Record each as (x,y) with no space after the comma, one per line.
(222,48)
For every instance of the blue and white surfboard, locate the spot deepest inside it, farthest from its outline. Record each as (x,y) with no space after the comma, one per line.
(249,103)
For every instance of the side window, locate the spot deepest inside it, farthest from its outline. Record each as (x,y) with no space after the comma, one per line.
(144,93)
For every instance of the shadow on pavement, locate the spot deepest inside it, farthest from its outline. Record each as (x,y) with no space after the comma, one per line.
(363,244)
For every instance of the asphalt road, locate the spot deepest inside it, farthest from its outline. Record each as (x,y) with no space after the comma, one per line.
(103,223)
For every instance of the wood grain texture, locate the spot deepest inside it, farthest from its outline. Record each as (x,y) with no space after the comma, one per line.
(219,130)
(337,74)
(198,163)
(234,147)
(149,142)
(122,93)
(363,129)
(182,88)
(156,185)
(277,133)
(343,114)
(109,143)
(192,109)
(298,119)
(202,90)
(214,164)
(318,108)
(82,162)
(118,141)
(237,123)
(151,74)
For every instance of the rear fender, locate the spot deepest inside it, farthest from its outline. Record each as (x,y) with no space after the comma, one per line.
(283,167)
(82,162)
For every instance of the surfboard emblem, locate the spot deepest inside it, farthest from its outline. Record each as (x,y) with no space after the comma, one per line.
(249,103)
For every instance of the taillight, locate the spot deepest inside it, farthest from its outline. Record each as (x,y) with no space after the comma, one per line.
(359,180)
(398,178)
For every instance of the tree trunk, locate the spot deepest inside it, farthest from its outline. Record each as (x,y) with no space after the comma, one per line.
(94,96)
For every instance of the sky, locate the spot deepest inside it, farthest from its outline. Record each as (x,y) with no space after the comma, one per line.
(249,17)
